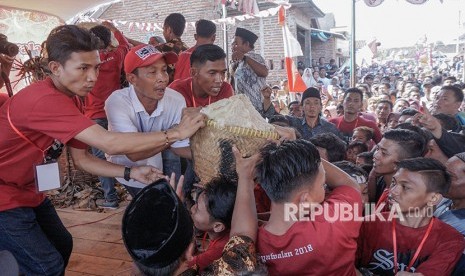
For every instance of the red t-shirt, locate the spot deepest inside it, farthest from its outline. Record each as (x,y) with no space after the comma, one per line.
(347,129)
(41,113)
(108,79)
(3,98)
(262,201)
(439,254)
(183,66)
(213,252)
(316,247)
(185,88)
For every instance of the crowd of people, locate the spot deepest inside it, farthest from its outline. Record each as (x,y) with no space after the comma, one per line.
(366,179)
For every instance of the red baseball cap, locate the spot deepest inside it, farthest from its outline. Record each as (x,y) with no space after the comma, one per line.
(144,55)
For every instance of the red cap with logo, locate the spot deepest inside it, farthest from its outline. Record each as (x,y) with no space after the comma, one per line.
(144,55)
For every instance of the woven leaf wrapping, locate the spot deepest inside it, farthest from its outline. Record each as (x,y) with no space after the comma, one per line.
(212,145)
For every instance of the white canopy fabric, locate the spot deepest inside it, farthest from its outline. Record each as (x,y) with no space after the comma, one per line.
(63,9)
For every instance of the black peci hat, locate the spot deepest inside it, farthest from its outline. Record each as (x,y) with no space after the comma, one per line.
(311,92)
(246,35)
(157,228)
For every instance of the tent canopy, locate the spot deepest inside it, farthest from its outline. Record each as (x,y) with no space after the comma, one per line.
(63,9)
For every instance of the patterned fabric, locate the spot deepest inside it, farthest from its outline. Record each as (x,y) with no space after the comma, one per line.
(239,255)
(247,82)
(176,46)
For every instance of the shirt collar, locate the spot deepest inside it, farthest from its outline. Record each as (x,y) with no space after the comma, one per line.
(139,108)
(318,122)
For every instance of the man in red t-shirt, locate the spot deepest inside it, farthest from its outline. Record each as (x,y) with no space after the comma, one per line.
(315,242)
(353,101)
(207,83)
(43,116)
(108,81)
(409,240)
(205,33)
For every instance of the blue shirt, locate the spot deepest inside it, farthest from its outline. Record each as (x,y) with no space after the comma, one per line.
(322,126)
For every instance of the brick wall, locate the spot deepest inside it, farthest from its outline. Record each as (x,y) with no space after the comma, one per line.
(156,11)
(324,49)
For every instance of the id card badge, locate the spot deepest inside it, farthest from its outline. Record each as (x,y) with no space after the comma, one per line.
(47,176)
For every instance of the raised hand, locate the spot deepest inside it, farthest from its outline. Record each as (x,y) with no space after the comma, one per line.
(178,187)
(245,166)
(146,174)
(285,133)
(237,55)
(191,121)
(428,121)
(109,25)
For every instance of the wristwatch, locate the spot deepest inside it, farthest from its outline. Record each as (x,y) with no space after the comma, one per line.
(127,173)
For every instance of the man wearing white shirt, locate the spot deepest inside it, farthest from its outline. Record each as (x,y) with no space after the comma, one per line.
(323,77)
(147,105)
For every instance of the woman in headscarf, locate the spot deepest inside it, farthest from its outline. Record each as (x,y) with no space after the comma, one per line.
(308,78)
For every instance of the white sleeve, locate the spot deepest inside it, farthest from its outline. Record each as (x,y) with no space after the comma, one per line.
(120,115)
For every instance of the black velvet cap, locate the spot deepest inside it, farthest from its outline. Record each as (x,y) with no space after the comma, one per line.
(246,35)
(157,228)
(311,92)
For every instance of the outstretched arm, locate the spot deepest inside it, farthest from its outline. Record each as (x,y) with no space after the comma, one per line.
(91,164)
(244,219)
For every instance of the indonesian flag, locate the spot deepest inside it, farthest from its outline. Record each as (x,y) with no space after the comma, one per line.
(291,49)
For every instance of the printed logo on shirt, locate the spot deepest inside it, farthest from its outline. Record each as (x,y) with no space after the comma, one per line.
(306,249)
(383,261)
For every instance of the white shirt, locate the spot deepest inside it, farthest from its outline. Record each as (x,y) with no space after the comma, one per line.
(125,113)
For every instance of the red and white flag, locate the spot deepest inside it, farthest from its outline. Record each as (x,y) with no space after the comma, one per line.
(291,49)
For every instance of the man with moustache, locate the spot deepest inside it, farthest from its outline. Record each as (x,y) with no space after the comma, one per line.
(312,122)
(206,84)
(146,106)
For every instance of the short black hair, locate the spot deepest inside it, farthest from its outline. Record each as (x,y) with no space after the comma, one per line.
(335,146)
(205,28)
(220,198)
(207,52)
(452,78)
(458,93)
(351,169)
(386,102)
(353,90)
(67,39)
(412,144)
(287,167)
(279,119)
(368,131)
(176,22)
(409,112)
(435,175)
(357,144)
(291,103)
(103,33)
(368,155)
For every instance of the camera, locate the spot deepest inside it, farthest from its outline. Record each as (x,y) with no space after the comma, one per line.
(8,48)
